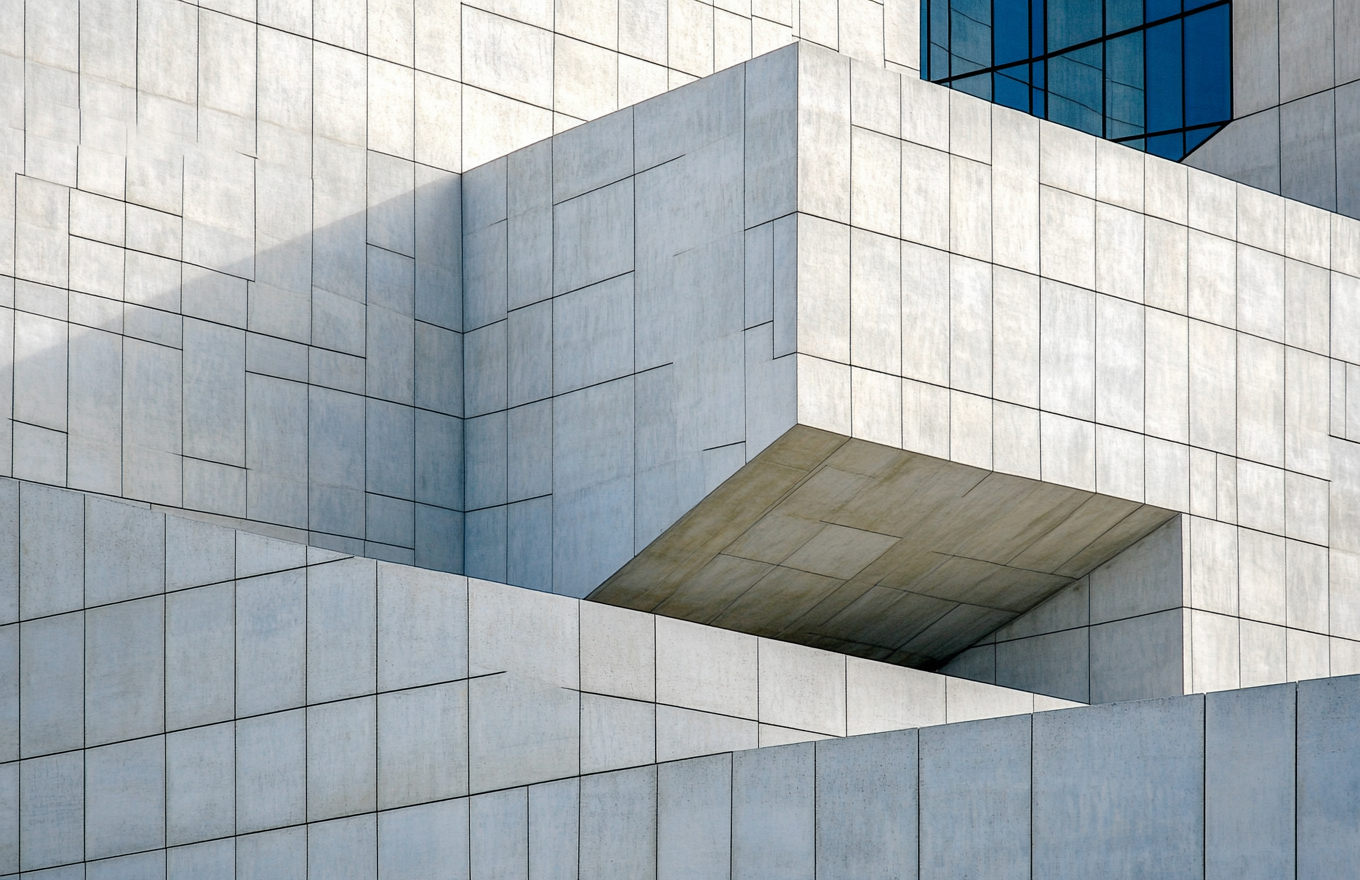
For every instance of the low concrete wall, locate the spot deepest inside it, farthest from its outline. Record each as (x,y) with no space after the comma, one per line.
(1247,784)
(171,690)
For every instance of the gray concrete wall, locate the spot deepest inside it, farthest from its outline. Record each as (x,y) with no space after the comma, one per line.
(226,237)
(1193,787)
(851,546)
(1296,103)
(1117,634)
(967,283)
(1249,783)
(1130,630)
(230,278)
(173,692)
(619,352)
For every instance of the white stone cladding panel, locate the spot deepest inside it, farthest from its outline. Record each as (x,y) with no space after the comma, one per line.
(200,237)
(1228,606)
(1121,365)
(633,349)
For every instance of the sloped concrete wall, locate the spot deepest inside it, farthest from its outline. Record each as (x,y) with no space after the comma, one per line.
(173,693)
(1120,633)
(856,547)
(1250,783)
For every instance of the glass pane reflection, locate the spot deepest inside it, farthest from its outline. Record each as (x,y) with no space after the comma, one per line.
(1010,87)
(1075,80)
(1125,107)
(970,36)
(1071,22)
(1208,69)
(1155,75)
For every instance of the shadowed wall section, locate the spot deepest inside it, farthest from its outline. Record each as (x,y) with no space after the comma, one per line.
(856,547)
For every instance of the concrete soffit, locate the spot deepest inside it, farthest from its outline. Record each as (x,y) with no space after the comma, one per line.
(823,537)
(851,546)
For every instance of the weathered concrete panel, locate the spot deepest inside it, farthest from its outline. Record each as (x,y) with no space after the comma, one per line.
(1249,799)
(867,805)
(976,776)
(1129,775)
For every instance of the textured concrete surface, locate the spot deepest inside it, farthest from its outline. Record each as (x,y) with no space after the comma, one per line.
(1255,782)
(317,270)
(230,268)
(254,686)
(1115,634)
(1037,304)
(238,287)
(813,541)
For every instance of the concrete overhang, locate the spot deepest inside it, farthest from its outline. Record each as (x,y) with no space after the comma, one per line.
(817,351)
(883,553)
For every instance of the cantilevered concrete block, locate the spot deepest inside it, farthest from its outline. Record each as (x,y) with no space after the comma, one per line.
(903,389)
(849,545)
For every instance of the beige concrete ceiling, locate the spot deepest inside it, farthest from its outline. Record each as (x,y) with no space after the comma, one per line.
(873,551)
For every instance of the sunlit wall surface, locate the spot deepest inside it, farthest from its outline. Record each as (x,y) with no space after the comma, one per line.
(1153,74)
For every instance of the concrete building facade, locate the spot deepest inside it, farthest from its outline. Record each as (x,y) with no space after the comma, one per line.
(665,439)
(235,177)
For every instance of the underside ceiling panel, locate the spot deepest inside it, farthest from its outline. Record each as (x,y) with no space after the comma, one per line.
(856,547)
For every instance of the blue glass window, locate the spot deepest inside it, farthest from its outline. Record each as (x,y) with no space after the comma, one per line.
(1075,81)
(1036,29)
(1208,70)
(1196,136)
(1165,77)
(1038,93)
(970,36)
(1125,104)
(1071,22)
(1155,75)
(1010,87)
(979,85)
(1160,9)
(937,42)
(1120,15)
(1010,31)
(1168,146)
